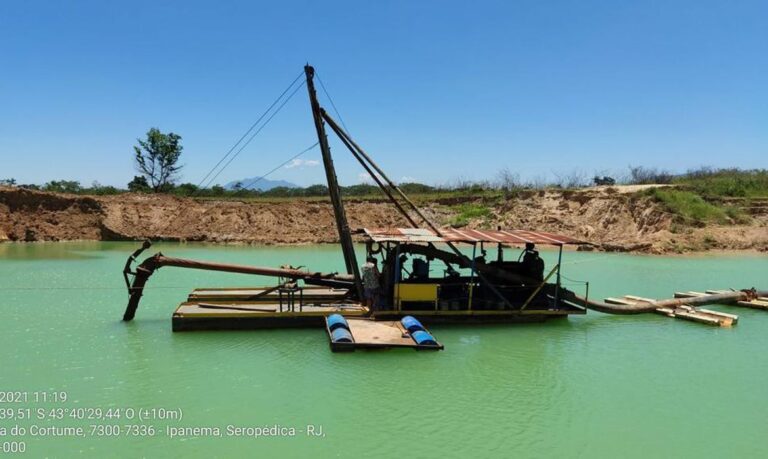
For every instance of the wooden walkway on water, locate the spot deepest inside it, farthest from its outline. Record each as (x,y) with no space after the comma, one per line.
(695,314)
(758,303)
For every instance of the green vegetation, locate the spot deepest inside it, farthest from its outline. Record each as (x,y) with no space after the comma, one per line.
(692,208)
(708,195)
(63,186)
(697,197)
(139,184)
(689,206)
(735,183)
(469,211)
(157,159)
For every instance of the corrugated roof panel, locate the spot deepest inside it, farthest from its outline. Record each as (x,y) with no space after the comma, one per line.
(469,235)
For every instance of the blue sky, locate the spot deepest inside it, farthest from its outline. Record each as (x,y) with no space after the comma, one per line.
(435,91)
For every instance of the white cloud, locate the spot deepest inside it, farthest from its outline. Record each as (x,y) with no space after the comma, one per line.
(302,163)
(365,178)
(407,179)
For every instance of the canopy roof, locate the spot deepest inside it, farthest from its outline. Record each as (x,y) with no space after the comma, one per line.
(508,237)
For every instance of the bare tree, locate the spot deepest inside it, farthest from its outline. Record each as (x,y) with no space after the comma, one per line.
(508,182)
(572,179)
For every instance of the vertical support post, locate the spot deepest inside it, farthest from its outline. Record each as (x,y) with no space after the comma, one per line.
(472,276)
(586,297)
(413,206)
(500,253)
(398,269)
(345,236)
(559,264)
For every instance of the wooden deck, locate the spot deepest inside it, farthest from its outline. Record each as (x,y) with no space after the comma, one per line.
(309,294)
(376,334)
(199,315)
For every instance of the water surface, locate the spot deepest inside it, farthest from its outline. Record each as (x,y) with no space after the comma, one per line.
(589,386)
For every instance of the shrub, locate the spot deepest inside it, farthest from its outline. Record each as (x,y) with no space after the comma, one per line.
(649,175)
(467,212)
(726,182)
(63,186)
(690,206)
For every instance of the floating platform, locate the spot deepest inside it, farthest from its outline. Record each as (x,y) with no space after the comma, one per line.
(191,316)
(700,315)
(257,308)
(366,333)
(758,303)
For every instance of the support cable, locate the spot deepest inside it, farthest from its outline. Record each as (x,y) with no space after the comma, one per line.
(373,175)
(413,206)
(255,134)
(250,129)
(330,99)
(250,185)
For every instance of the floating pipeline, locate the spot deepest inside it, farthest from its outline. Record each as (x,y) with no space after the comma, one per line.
(652,306)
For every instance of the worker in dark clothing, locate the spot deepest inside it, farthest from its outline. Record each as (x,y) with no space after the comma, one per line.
(371,283)
(533,265)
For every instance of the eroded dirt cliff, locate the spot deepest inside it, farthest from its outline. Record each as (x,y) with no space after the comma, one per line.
(609,218)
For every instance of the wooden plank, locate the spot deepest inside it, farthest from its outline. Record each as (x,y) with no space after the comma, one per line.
(753,304)
(688,294)
(381,334)
(194,309)
(620,301)
(309,295)
(715,292)
(639,299)
(704,316)
(725,315)
(701,318)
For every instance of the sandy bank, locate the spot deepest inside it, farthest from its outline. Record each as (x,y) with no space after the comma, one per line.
(613,221)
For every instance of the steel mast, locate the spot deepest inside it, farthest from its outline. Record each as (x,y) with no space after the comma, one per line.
(345,235)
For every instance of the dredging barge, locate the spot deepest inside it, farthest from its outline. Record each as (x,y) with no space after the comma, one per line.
(425,273)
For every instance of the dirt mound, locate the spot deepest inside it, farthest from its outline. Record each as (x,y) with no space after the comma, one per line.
(34,216)
(607,219)
(612,220)
(290,222)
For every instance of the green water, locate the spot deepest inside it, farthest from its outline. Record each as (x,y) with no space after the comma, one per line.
(589,386)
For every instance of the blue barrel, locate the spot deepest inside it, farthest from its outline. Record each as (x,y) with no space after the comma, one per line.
(422,337)
(337,321)
(341,335)
(411,324)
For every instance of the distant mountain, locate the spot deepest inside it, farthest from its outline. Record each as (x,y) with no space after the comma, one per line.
(263,184)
